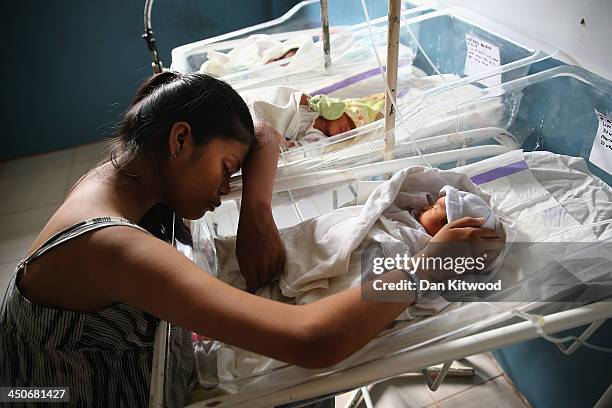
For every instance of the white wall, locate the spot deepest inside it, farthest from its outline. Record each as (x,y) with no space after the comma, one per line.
(557,22)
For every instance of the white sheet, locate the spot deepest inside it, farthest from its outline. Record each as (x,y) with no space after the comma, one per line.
(255,51)
(324,254)
(555,191)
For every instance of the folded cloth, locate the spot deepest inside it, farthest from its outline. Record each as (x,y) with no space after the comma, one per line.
(363,111)
(254,51)
(461,204)
(280,107)
(329,108)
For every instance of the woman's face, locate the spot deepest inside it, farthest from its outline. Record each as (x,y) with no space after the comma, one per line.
(201,174)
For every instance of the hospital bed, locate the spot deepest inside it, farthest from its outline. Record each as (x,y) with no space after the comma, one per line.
(555,198)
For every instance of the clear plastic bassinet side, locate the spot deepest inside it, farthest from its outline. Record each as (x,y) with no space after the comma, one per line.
(554,110)
(453,323)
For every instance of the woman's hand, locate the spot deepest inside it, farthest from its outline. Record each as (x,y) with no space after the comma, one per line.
(259,249)
(462,238)
(260,252)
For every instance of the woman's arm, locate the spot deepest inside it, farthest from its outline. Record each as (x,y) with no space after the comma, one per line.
(149,274)
(259,168)
(173,288)
(259,249)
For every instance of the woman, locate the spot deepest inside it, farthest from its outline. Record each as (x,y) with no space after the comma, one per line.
(83,307)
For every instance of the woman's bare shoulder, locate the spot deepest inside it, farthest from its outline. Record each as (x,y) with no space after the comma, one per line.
(83,264)
(79,273)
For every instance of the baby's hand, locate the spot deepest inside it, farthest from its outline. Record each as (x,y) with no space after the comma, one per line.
(288,144)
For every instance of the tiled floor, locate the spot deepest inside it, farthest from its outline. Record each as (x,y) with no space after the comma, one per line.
(489,387)
(32,188)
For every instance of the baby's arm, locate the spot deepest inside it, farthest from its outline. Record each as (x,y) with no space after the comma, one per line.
(304,99)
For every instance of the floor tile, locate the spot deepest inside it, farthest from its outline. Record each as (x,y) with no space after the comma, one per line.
(323,202)
(28,191)
(343,400)
(493,393)
(485,368)
(285,216)
(308,209)
(406,391)
(346,195)
(38,163)
(91,153)
(76,171)
(19,231)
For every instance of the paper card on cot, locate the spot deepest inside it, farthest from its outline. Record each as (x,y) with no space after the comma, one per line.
(482,56)
(601,152)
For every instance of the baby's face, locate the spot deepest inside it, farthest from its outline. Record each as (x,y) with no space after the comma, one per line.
(340,125)
(433,218)
(288,54)
(334,127)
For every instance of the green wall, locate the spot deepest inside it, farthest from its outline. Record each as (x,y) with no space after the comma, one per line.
(70,66)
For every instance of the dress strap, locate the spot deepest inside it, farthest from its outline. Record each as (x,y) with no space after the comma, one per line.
(77,230)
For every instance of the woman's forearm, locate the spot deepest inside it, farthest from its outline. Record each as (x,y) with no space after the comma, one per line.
(346,322)
(259,170)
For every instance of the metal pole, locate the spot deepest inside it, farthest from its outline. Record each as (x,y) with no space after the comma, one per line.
(326,43)
(150,39)
(392,56)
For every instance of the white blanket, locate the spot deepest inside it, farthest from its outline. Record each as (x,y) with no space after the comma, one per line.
(553,190)
(254,51)
(324,253)
(280,107)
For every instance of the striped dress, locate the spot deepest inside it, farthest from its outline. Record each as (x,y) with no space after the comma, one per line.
(104,357)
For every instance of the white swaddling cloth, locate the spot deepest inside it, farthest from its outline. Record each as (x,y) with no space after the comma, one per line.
(254,51)
(324,253)
(461,204)
(280,107)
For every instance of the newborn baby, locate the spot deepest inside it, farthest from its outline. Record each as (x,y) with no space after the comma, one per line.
(337,116)
(452,205)
(301,119)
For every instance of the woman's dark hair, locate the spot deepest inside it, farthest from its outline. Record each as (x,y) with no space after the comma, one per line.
(210,106)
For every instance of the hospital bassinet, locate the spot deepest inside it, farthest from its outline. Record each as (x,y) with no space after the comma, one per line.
(537,114)
(442,35)
(530,112)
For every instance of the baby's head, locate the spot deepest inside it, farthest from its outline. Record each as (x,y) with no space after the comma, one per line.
(286,55)
(452,205)
(338,116)
(334,127)
(433,217)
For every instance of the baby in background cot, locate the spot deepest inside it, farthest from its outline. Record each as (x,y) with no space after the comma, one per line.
(302,119)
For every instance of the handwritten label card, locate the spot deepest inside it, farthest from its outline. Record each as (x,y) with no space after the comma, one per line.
(601,152)
(482,56)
